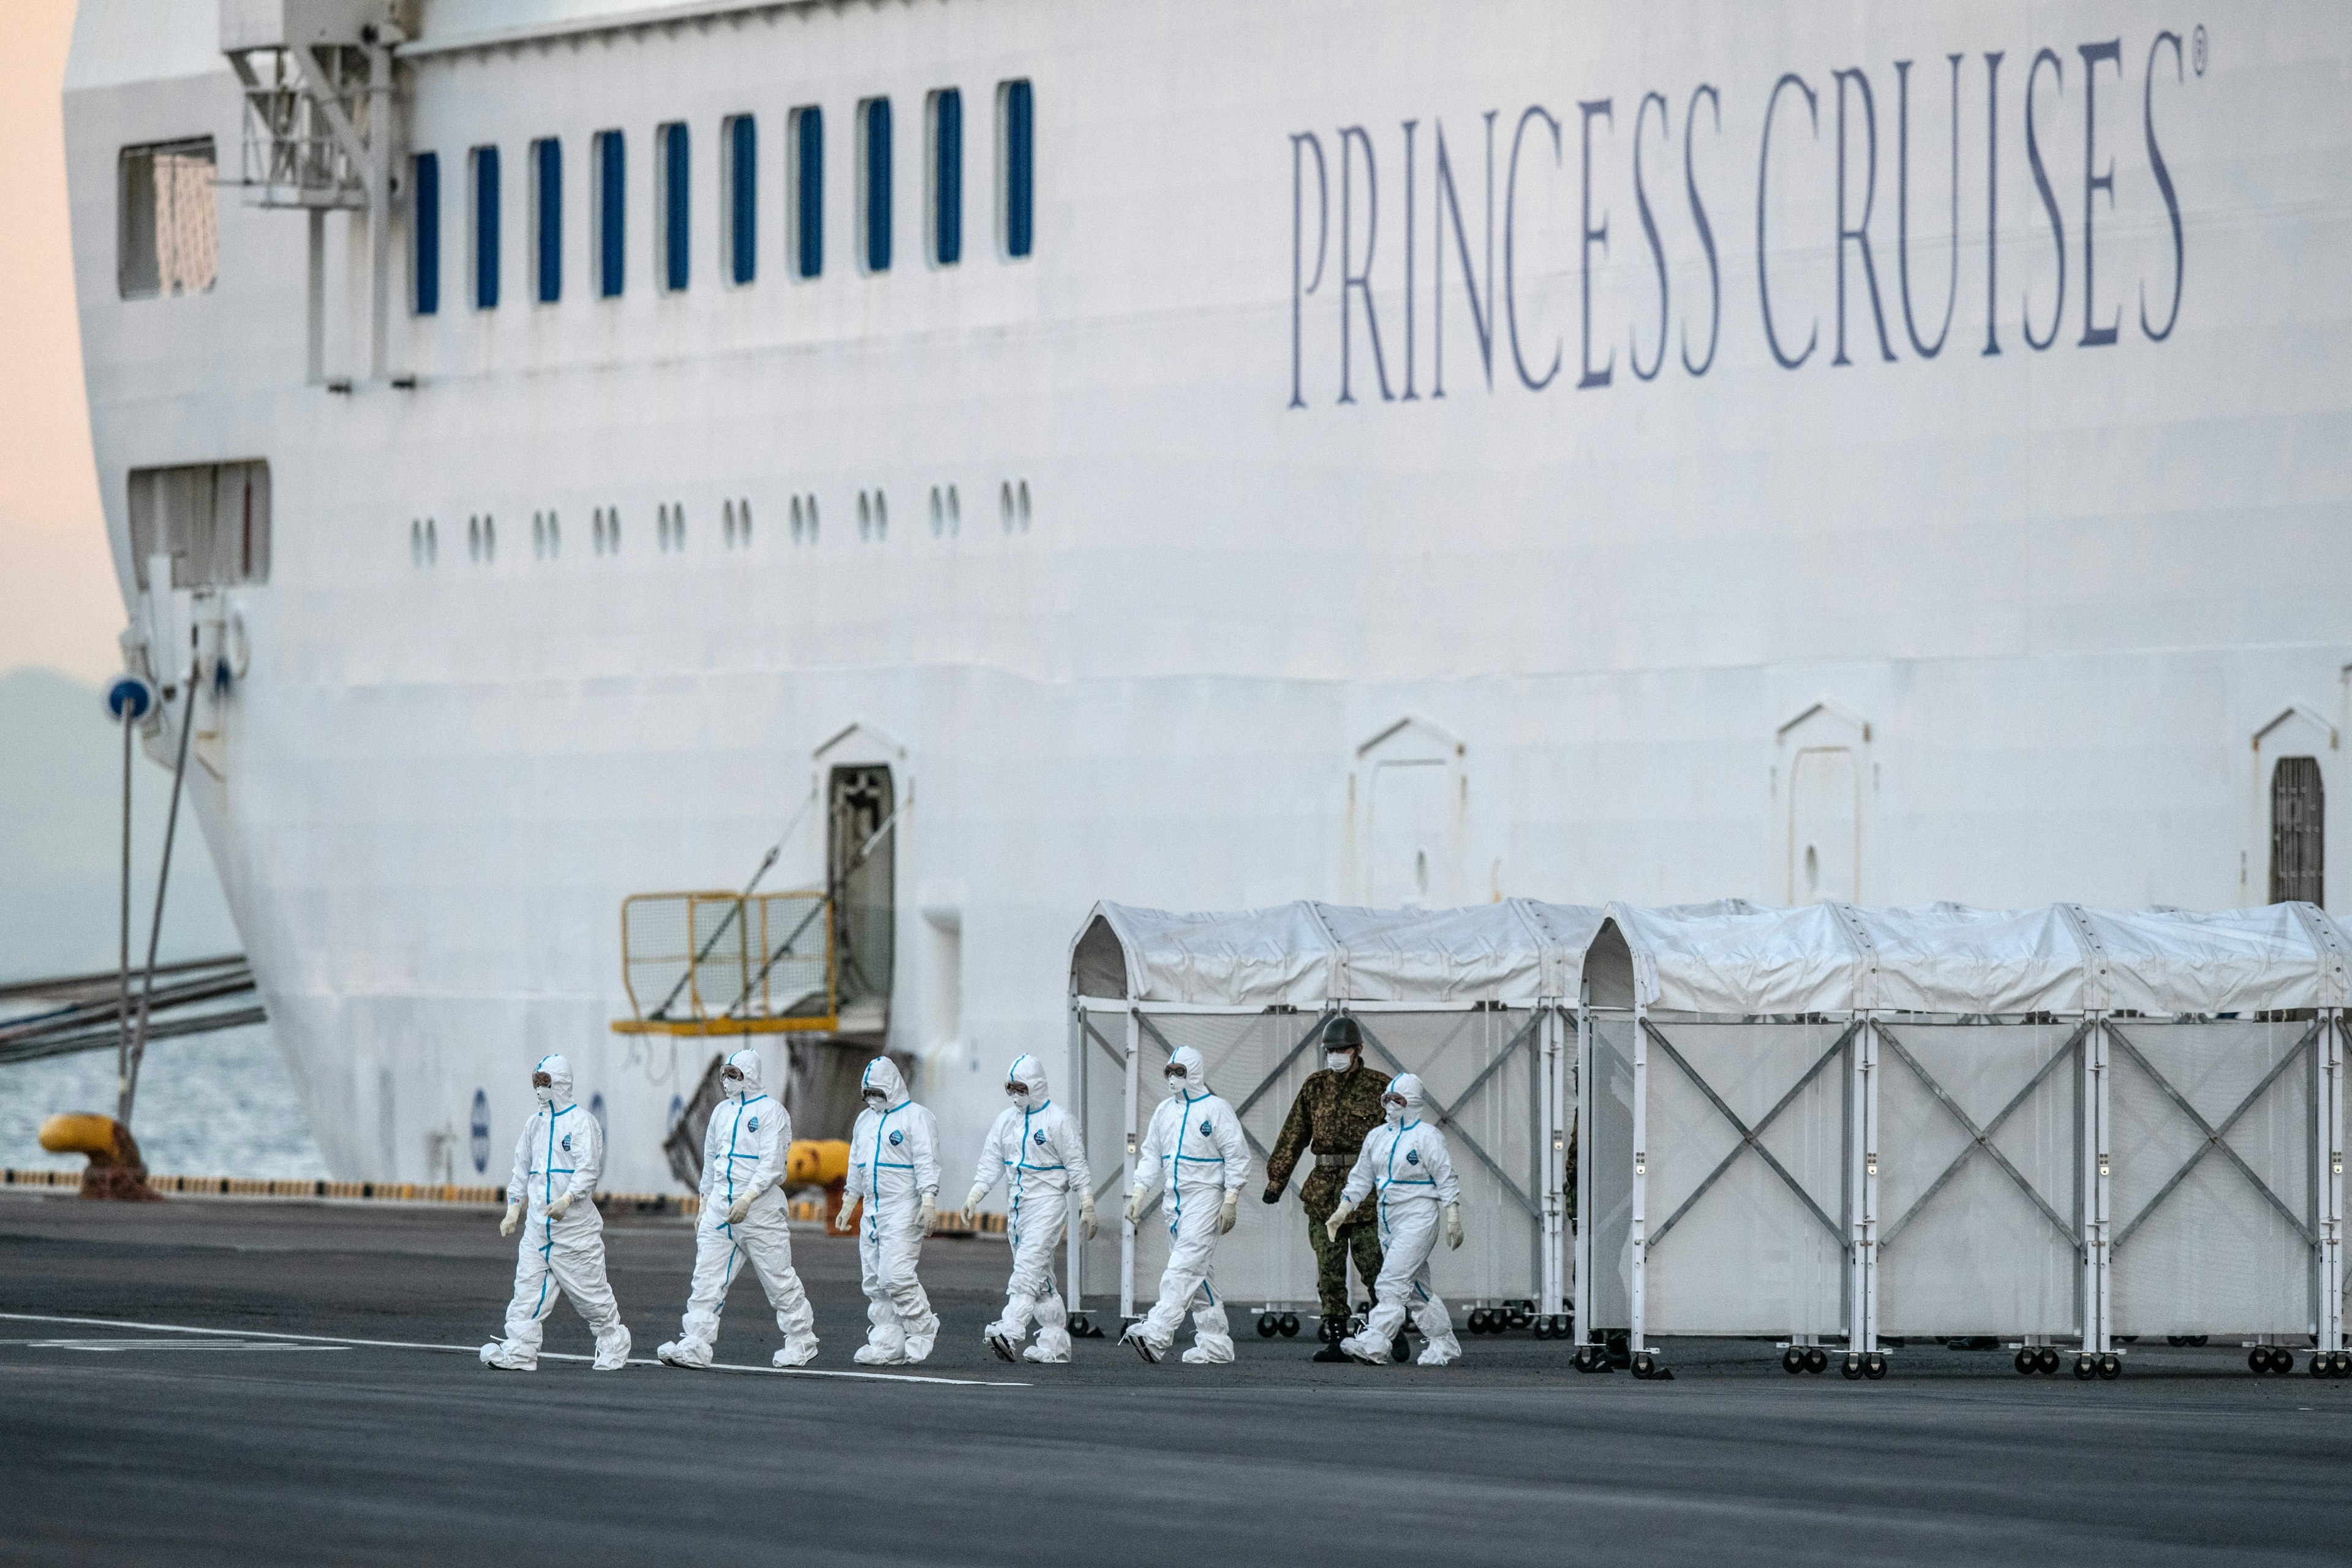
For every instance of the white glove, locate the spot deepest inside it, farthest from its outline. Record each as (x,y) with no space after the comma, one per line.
(971,1202)
(1135,1207)
(931,1214)
(846,1220)
(738,1210)
(559,1207)
(1453,1225)
(1230,1212)
(1086,1216)
(1339,1217)
(514,1218)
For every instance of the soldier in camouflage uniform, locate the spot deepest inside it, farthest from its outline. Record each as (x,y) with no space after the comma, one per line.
(1335,1110)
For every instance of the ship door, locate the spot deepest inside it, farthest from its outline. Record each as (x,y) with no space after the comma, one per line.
(861,878)
(1824,752)
(1410,792)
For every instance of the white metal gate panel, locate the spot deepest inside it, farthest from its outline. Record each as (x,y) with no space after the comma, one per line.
(1746,1199)
(1980,1161)
(1604,1165)
(2215,1189)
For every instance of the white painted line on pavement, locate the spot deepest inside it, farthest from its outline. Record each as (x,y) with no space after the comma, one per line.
(476,1351)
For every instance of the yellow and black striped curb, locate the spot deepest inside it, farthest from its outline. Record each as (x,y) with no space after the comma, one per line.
(434,1193)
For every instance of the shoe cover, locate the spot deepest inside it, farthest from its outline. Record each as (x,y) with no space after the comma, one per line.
(1003,1345)
(613,1355)
(1043,1357)
(877,1355)
(794,1356)
(497,1354)
(1143,1345)
(1434,1356)
(1201,1356)
(685,1354)
(1369,1351)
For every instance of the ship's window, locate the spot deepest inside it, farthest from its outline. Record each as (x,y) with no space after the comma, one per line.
(554,536)
(808,191)
(538,534)
(671,172)
(741,149)
(809,512)
(211,519)
(474,537)
(726,523)
(485,162)
(946,115)
(612,207)
(796,519)
(938,513)
(416,541)
(432,542)
(1004,505)
(743,522)
(1021,504)
(955,513)
(873,183)
(2298,823)
(168,241)
(1016,165)
(865,515)
(881,516)
(425,274)
(546,218)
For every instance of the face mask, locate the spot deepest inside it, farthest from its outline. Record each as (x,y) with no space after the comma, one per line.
(731,1081)
(1175,1084)
(1018,1093)
(876,1099)
(542,1087)
(1395,1109)
(1339,1061)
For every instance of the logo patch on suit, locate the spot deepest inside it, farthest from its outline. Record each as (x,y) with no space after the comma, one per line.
(1038,1138)
(896,1139)
(567,1142)
(1413,1156)
(1204,1128)
(755,1124)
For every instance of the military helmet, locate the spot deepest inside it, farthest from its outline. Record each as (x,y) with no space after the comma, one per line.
(1342,1035)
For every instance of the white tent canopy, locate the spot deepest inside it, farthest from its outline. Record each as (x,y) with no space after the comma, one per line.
(1305,954)
(1735,959)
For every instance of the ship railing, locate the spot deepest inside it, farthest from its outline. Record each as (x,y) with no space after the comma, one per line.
(727,963)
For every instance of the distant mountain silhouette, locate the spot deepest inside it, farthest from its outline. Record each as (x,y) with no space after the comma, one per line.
(61,839)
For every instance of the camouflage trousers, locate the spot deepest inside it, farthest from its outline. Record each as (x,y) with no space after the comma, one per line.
(1363,1238)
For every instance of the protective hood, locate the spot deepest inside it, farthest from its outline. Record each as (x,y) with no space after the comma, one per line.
(1405,1084)
(559,1070)
(1030,1073)
(747,1062)
(882,1073)
(1195,1070)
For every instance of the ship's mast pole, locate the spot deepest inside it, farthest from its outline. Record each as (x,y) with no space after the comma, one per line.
(123,994)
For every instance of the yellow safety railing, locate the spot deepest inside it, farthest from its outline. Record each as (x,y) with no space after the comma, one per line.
(723,963)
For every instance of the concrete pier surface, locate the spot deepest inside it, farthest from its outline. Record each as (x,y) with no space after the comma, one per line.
(375,1436)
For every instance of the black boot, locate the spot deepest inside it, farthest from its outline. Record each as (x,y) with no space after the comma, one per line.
(1331,1352)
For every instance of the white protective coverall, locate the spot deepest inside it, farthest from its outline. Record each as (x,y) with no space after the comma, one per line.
(1194,1153)
(894,1169)
(743,1153)
(557,1161)
(1037,1148)
(1405,1161)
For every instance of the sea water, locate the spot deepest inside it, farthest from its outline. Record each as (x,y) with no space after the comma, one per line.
(209,1105)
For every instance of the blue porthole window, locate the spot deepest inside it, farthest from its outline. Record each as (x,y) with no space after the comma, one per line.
(485,161)
(673,171)
(1016,166)
(874,185)
(425,274)
(546,218)
(946,139)
(611,209)
(739,146)
(807,169)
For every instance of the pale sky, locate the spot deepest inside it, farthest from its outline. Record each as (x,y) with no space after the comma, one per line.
(58,605)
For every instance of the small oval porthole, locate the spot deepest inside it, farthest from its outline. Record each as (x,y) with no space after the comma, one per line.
(1004,505)
(416,541)
(865,515)
(796,519)
(1024,506)
(955,513)
(881,516)
(431,543)
(938,513)
(743,523)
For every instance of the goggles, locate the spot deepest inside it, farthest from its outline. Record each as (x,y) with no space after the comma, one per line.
(1016,1089)
(733,1072)
(540,1080)
(1392,1101)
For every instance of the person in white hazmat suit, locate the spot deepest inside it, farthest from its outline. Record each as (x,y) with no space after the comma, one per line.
(1038,1149)
(1405,1161)
(1193,1152)
(744,1219)
(894,1170)
(552,1198)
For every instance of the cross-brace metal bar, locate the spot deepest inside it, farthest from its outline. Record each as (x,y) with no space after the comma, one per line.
(1751,1137)
(2215,1137)
(1981,1136)
(1444,1116)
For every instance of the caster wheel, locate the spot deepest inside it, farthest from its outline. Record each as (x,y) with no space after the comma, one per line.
(2258,1359)
(1850,1368)
(1288,1325)
(2339,1364)
(2111,1366)
(2087,1367)
(2198,1339)
(2047,1359)
(1543,1328)
(1873,1366)
(1580,1359)
(2028,1363)
(1643,1365)
(1792,1360)
(2176,1341)
(1817,1360)
(1477,1319)
(1266,1321)
(1079,1326)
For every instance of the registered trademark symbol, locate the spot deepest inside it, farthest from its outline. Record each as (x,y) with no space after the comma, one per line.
(2197,50)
